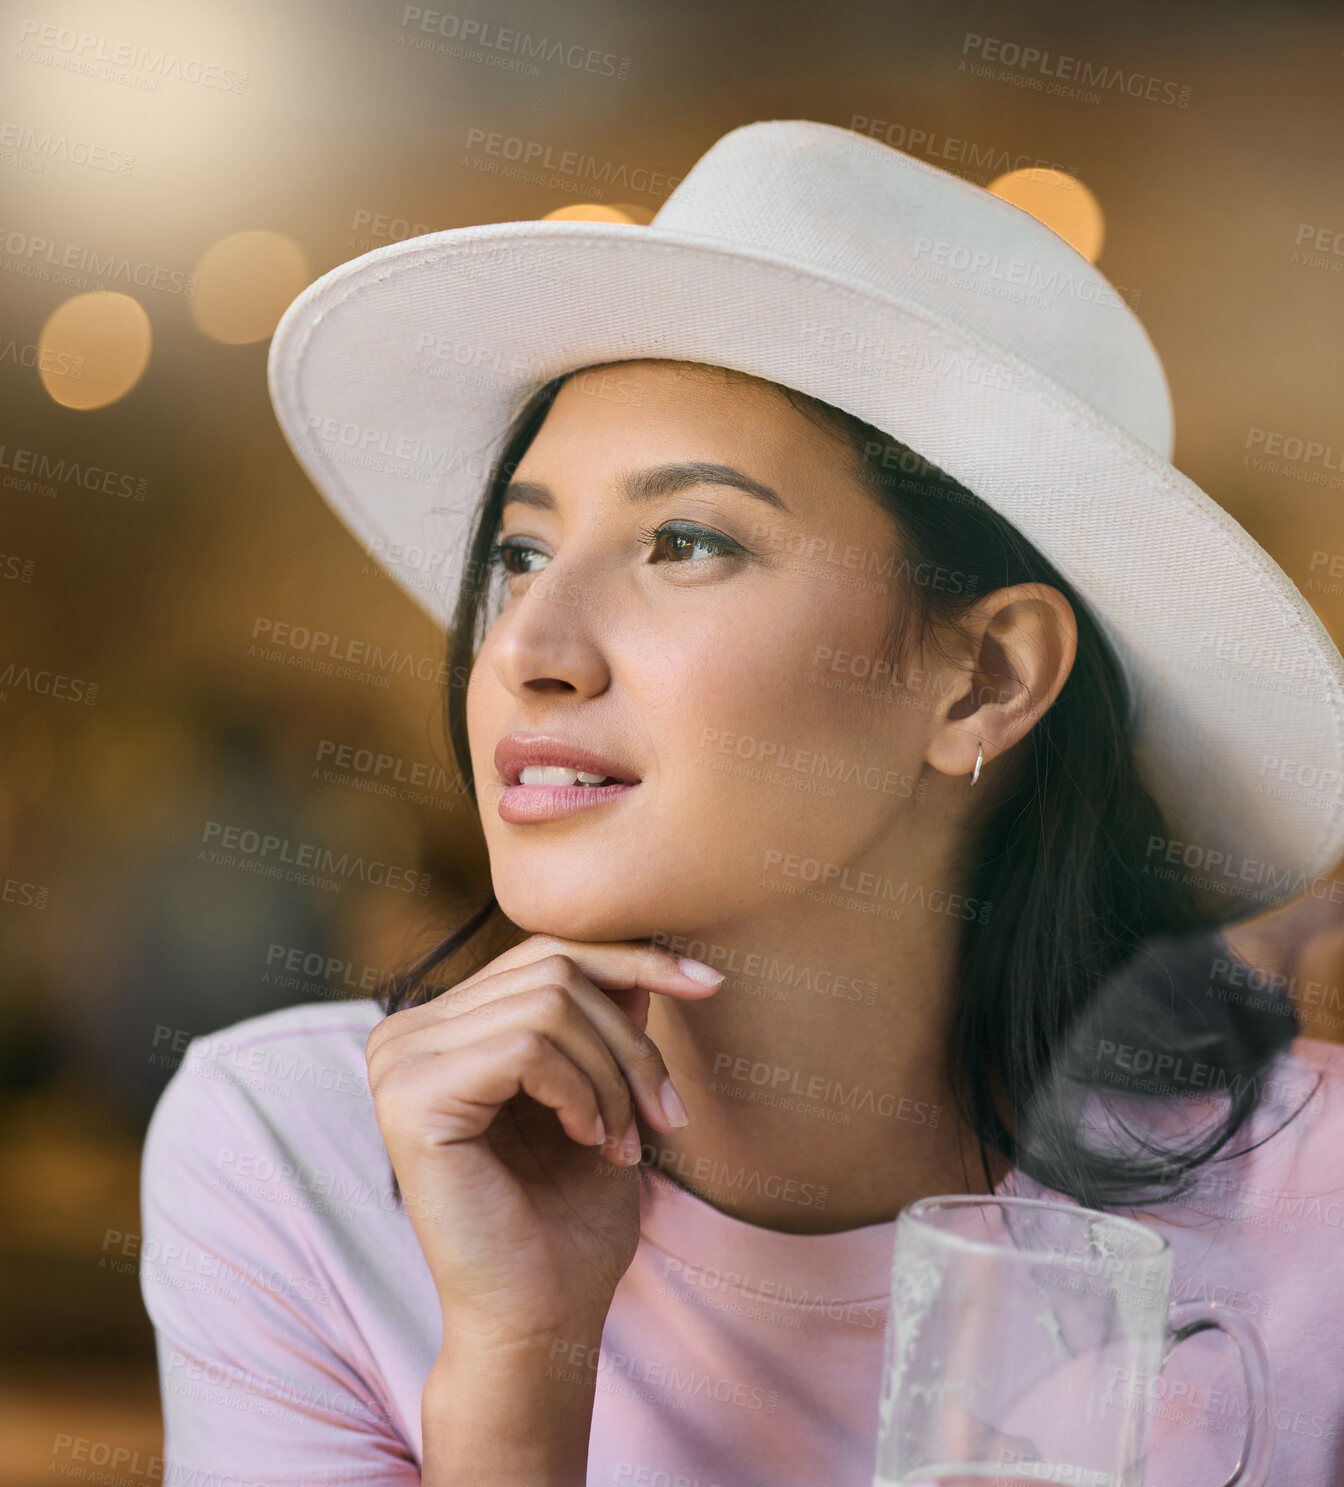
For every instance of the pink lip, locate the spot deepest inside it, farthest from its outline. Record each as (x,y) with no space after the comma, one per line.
(521,804)
(516,751)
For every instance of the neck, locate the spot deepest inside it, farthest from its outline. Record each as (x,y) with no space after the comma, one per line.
(817,1078)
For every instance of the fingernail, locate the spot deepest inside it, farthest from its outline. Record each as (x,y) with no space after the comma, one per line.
(630,1147)
(601,1130)
(672,1105)
(697,970)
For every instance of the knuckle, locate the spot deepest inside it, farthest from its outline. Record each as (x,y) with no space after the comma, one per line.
(563,968)
(644,1050)
(376,1059)
(620,1101)
(387,1075)
(528,1044)
(552,1000)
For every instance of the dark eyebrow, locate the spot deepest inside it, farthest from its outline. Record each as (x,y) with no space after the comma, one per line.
(656,481)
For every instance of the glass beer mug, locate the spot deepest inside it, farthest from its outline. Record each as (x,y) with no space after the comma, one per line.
(1016,1324)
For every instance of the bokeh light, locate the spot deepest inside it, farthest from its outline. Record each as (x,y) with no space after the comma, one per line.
(596,211)
(243,284)
(93,349)
(1059,200)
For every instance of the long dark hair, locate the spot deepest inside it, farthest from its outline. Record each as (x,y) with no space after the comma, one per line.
(1091,971)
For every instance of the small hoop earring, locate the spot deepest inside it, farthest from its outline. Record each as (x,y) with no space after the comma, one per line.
(979,759)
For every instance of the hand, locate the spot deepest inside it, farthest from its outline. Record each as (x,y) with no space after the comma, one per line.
(489,1099)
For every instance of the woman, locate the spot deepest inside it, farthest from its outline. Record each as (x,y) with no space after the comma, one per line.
(826,874)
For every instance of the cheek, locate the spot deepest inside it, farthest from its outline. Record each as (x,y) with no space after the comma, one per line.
(751,739)
(841,755)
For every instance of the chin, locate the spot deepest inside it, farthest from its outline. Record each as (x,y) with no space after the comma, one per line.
(573,916)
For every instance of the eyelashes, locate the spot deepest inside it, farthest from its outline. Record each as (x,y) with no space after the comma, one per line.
(692,536)
(503,555)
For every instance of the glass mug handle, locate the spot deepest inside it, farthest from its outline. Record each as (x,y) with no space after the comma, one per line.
(1257,1447)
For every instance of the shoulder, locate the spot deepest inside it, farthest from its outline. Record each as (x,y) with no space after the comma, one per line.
(329,1035)
(291,1083)
(1302,1113)
(272,1255)
(1283,1173)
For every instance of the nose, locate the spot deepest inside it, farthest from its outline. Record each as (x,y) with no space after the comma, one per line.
(545,640)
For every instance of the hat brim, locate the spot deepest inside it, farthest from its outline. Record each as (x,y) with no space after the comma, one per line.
(393,377)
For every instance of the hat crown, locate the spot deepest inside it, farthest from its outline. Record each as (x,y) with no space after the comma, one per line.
(877,218)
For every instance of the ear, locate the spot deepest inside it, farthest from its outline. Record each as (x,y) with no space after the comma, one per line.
(1022,645)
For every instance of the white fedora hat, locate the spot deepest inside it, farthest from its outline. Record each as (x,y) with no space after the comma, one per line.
(813,256)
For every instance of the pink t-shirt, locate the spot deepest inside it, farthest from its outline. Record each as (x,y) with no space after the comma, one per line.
(296,1320)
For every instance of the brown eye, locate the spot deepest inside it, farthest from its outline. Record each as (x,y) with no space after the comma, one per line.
(511,557)
(681,542)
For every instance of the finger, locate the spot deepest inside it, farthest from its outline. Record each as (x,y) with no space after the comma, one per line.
(554,996)
(627,969)
(549,1006)
(454,1095)
(614,965)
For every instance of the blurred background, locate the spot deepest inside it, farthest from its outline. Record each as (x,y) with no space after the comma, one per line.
(170,177)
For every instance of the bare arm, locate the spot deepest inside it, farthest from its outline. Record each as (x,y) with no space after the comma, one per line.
(511,1415)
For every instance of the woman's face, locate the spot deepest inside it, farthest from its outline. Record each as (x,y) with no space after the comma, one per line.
(706,641)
